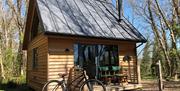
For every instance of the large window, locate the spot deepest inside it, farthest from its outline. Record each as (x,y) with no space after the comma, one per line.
(92,57)
(37,26)
(100,55)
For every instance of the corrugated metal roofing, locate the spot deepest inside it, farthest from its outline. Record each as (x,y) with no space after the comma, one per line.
(91,18)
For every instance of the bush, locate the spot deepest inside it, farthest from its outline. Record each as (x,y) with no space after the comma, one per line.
(11,84)
(14,84)
(20,80)
(13,81)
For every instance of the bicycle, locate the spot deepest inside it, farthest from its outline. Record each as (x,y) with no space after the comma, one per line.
(87,85)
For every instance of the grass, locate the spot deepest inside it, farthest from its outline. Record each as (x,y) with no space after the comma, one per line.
(14,84)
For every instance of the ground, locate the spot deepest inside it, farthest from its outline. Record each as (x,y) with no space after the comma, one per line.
(14,87)
(148,85)
(152,85)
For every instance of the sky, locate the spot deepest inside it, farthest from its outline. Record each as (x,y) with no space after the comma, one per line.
(128,13)
(23,9)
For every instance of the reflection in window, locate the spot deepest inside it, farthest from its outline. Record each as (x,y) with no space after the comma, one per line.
(37,26)
(106,55)
(34,58)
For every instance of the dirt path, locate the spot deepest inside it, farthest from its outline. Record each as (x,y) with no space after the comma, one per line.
(168,86)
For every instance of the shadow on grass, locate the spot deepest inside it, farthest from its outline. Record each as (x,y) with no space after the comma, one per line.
(11,86)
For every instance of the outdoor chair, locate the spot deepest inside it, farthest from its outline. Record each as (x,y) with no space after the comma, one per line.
(104,73)
(115,73)
(116,70)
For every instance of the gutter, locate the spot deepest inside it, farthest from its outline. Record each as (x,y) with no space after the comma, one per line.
(90,37)
(140,45)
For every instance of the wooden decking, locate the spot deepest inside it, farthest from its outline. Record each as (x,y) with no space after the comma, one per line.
(122,88)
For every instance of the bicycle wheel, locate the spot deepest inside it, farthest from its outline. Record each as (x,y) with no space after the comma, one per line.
(53,85)
(92,85)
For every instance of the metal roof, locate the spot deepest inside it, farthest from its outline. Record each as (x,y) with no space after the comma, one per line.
(89,18)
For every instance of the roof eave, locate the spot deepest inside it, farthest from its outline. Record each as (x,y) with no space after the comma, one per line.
(28,24)
(92,37)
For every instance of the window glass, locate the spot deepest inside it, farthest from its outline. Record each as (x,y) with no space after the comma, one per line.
(37,26)
(40,28)
(34,58)
(106,55)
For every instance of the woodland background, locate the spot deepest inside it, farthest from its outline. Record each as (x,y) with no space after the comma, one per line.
(158,20)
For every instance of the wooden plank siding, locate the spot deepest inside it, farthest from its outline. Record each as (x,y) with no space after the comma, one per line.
(36,77)
(129,50)
(60,61)
(53,59)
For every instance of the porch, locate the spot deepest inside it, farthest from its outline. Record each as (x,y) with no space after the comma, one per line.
(121,83)
(128,87)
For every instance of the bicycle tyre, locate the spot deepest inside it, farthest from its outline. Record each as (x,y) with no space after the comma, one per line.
(92,82)
(57,86)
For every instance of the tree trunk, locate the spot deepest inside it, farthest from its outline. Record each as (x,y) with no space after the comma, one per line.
(155,29)
(2,66)
(175,5)
(20,60)
(160,76)
(176,20)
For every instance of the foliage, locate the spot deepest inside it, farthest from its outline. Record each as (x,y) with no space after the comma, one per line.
(14,84)
(176,28)
(162,19)
(146,60)
(12,26)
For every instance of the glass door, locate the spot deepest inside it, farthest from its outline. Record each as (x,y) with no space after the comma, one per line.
(91,57)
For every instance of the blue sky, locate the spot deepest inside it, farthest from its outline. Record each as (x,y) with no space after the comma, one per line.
(128,13)
(139,24)
(6,7)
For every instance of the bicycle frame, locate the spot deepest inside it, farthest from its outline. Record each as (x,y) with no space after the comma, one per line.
(66,86)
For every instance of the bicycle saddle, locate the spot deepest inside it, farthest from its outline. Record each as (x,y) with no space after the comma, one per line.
(62,75)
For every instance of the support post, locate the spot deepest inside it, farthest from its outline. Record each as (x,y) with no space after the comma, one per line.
(160,76)
(138,72)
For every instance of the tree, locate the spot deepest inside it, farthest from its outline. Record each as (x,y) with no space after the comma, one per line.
(12,18)
(146,60)
(1,61)
(19,19)
(163,19)
(157,54)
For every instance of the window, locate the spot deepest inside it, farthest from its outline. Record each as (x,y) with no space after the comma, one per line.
(91,57)
(106,55)
(34,58)
(40,28)
(37,26)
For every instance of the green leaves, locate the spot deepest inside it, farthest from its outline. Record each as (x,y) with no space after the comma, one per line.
(172,52)
(176,30)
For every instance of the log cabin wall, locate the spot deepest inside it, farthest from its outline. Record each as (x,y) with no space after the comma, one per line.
(60,61)
(36,77)
(60,58)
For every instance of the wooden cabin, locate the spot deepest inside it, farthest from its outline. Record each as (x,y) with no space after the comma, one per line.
(60,34)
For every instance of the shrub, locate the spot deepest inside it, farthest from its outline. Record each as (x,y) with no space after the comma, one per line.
(21,80)
(11,84)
